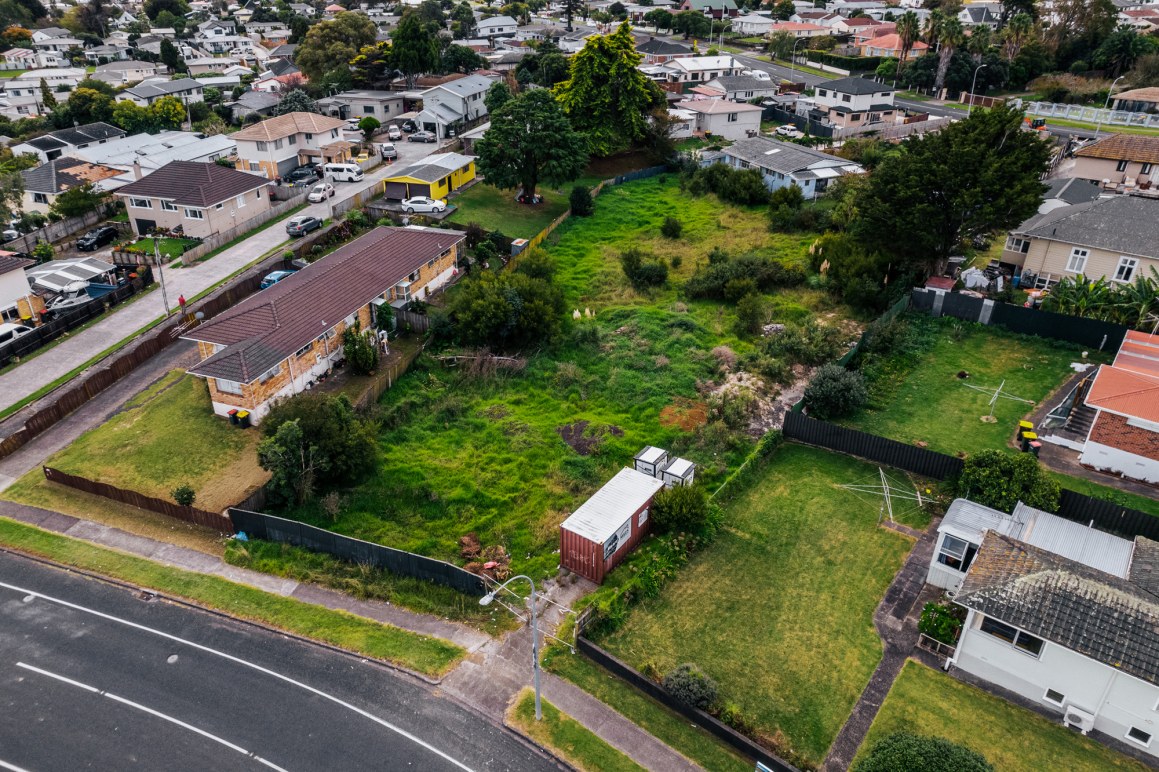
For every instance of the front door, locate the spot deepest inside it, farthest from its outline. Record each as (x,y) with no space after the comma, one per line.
(145,226)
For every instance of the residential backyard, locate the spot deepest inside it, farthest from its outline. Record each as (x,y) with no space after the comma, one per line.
(778,610)
(1013,739)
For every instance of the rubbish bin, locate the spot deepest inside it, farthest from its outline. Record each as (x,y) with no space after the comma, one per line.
(1027,438)
(1035,446)
(1023,426)
(243,417)
(233,416)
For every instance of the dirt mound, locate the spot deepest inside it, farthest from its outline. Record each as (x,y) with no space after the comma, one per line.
(584,438)
(685,414)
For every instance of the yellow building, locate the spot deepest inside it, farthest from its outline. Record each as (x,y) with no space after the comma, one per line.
(436,176)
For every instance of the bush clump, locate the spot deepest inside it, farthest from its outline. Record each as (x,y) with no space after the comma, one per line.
(1000,480)
(903,750)
(941,622)
(713,280)
(737,186)
(806,344)
(690,685)
(835,392)
(681,508)
(643,270)
(671,228)
(360,348)
(184,495)
(581,202)
(506,311)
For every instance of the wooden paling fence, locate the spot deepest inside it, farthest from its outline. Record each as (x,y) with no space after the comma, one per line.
(141,501)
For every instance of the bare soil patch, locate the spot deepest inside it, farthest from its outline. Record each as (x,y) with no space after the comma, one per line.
(584,438)
(687,414)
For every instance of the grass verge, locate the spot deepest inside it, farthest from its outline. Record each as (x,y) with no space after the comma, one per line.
(670,728)
(803,68)
(401,647)
(1108,128)
(779,608)
(568,738)
(1013,739)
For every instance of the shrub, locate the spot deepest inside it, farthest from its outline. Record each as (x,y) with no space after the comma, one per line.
(357,218)
(360,348)
(671,228)
(738,288)
(581,201)
(940,622)
(642,270)
(475,233)
(792,197)
(806,344)
(184,495)
(752,312)
(505,311)
(903,750)
(835,392)
(485,252)
(537,264)
(43,251)
(346,443)
(737,186)
(710,281)
(998,479)
(691,686)
(682,508)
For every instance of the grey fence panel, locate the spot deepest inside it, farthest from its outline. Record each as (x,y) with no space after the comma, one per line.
(962,306)
(1107,515)
(709,723)
(278,529)
(921,461)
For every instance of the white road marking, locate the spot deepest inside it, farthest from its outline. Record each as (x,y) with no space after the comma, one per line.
(151,712)
(11,767)
(245,663)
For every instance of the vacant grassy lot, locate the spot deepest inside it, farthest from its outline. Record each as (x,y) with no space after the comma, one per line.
(496,209)
(924,400)
(487,455)
(165,436)
(779,608)
(1013,739)
(567,737)
(402,647)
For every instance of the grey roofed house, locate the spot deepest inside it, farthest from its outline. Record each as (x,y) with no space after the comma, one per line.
(129,64)
(855,86)
(658,47)
(188,183)
(1145,565)
(284,51)
(731,83)
(1071,190)
(161,88)
(782,157)
(471,84)
(255,102)
(77,136)
(281,67)
(1110,620)
(1126,224)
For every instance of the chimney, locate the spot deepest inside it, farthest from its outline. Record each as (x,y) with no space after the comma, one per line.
(136,169)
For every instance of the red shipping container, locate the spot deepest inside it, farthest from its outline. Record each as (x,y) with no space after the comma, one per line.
(609,525)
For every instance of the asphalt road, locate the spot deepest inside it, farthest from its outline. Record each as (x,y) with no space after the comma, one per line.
(92,677)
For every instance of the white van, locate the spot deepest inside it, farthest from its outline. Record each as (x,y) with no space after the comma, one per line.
(343,172)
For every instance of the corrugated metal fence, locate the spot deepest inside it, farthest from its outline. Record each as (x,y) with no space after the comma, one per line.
(133,498)
(278,529)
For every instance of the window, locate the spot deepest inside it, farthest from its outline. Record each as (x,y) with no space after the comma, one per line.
(855,117)
(257,194)
(821,92)
(271,372)
(1121,166)
(241,200)
(1146,169)
(278,144)
(643,517)
(1138,735)
(167,206)
(141,203)
(1078,260)
(263,146)
(1012,635)
(255,166)
(194,214)
(309,137)
(304,349)
(228,387)
(1058,698)
(218,207)
(431,263)
(1126,269)
(732,117)
(333,133)
(368,109)
(40,198)
(1017,245)
(846,98)
(292,139)
(957,553)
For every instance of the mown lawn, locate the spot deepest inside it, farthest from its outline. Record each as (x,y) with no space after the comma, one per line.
(926,401)
(496,209)
(164,437)
(1013,739)
(779,609)
(568,738)
(465,454)
(169,247)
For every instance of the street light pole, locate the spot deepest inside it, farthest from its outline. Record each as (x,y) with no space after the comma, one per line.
(793,59)
(974,85)
(1107,104)
(486,601)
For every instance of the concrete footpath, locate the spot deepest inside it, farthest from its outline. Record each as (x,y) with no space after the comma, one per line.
(490,676)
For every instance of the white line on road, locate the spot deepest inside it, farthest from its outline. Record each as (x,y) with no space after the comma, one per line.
(248,664)
(11,767)
(152,712)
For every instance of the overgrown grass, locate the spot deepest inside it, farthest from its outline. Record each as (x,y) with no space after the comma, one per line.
(567,737)
(670,728)
(164,437)
(363,581)
(401,647)
(919,396)
(1013,739)
(778,610)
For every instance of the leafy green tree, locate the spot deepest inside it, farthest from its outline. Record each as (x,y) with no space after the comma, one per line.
(905,751)
(463,21)
(11,193)
(46,96)
(659,18)
(368,125)
(292,461)
(606,97)
(360,348)
(580,201)
(413,49)
(15,36)
(77,201)
(171,57)
(371,67)
(752,313)
(457,58)
(530,140)
(346,444)
(780,45)
(86,105)
(1120,50)
(153,8)
(908,30)
(297,101)
(998,479)
(168,112)
(330,46)
(692,24)
(132,117)
(783,9)
(951,36)
(973,178)
(505,311)
(497,95)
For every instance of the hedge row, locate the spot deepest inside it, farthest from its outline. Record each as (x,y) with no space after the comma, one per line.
(854,63)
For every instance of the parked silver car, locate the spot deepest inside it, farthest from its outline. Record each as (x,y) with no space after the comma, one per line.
(302,224)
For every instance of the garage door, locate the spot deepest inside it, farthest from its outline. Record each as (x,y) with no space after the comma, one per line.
(396,191)
(419,190)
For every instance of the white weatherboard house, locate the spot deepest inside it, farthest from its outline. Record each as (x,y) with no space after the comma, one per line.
(783,164)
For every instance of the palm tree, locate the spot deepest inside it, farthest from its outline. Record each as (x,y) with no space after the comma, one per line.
(981,39)
(908,29)
(933,27)
(1137,303)
(1016,34)
(951,36)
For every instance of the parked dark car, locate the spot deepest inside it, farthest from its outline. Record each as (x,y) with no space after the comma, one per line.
(302,174)
(97,238)
(302,224)
(422,136)
(409,126)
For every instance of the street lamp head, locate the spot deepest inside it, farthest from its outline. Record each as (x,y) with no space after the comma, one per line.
(486,599)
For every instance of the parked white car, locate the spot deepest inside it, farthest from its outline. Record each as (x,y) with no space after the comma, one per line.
(320,192)
(789,130)
(394,133)
(423,204)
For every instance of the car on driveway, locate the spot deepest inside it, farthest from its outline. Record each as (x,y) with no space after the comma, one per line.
(409,126)
(394,133)
(97,238)
(388,150)
(10,331)
(301,174)
(273,278)
(422,136)
(320,192)
(423,204)
(302,224)
(790,131)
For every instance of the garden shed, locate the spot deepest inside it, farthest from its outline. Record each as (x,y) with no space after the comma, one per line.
(606,527)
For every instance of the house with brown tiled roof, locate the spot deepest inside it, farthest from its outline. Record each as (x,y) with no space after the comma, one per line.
(200,198)
(280,341)
(1126,160)
(44,183)
(276,146)
(1079,641)
(1137,100)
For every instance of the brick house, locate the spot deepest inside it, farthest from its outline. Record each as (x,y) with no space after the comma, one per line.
(202,198)
(278,342)
(276,146)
